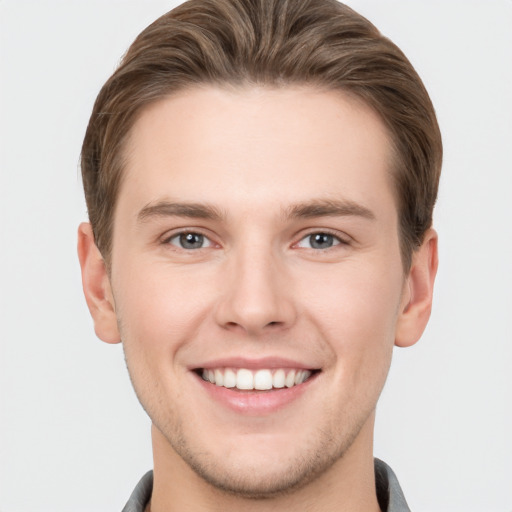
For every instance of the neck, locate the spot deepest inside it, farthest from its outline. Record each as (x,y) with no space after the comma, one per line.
(347,485)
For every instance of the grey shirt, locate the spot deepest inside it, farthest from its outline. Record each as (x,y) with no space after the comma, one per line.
(389,493)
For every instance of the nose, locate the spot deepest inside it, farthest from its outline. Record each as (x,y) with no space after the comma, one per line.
(257,295)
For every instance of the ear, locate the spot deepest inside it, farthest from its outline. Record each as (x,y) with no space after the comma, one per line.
(418,290)
(96,285)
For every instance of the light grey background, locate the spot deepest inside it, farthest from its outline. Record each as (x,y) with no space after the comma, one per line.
(72,435)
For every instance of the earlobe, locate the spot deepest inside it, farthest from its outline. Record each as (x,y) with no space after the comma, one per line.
(418,292)
(96,286)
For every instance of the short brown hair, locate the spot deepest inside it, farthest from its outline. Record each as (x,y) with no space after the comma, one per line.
(321,43)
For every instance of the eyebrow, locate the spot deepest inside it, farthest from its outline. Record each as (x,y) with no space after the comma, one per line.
(169,209)
(306,210)
(329,207)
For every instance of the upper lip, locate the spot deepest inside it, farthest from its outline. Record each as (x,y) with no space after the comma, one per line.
(254,363)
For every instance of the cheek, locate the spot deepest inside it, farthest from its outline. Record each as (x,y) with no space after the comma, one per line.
(158,309)
(356,310)
(357,319)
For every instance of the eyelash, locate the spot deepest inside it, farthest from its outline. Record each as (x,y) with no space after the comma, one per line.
(178,236)
(336,239)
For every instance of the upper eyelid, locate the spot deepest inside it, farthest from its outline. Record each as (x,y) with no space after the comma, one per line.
(340,235)
(168,235)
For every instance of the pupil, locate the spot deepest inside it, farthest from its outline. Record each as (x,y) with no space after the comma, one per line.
(191,241)
(321,241)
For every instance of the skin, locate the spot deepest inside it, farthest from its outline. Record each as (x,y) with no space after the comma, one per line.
(259,158)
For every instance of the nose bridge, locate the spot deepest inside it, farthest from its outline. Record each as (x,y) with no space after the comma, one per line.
(255,296)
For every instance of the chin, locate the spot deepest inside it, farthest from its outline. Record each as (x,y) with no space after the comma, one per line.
(262,480)
(262,468)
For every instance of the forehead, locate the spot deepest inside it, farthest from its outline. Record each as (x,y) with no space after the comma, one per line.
(256,146)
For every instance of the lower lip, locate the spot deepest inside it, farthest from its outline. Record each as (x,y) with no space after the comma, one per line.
(255,403)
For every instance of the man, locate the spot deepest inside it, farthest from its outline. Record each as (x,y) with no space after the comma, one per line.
(260,177)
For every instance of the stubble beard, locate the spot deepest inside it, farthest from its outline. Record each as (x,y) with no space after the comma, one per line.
(251,482)
(308,462)
(325,447)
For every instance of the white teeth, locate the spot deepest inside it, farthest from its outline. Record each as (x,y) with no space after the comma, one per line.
(244,379)
(305,376)
(229,379)
(219,378)
(290,379)
(261,379)
(278,379)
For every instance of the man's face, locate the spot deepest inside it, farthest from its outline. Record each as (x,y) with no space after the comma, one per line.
(255,240)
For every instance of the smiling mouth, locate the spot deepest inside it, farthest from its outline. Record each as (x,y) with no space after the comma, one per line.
(244,379)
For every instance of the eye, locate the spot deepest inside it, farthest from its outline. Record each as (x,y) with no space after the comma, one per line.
(189,240)
(320,241)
